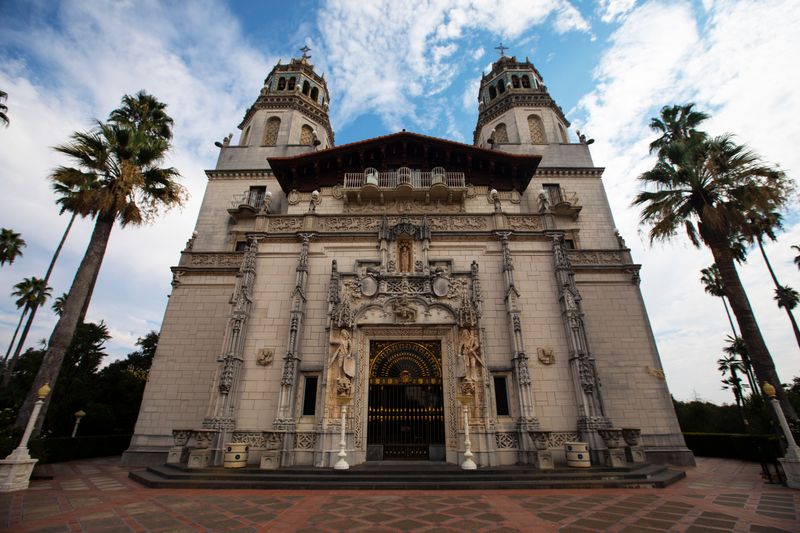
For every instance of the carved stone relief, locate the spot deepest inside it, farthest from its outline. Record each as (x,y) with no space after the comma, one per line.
(265,356)
(546,355)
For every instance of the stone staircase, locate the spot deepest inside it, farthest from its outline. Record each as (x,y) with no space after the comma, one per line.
(416,476)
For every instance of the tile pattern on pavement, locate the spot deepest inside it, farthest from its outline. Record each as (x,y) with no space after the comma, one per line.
(97,496)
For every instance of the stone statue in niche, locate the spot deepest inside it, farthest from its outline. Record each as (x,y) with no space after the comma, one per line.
(404,256)
(344,360)
(403,310)
(469,355)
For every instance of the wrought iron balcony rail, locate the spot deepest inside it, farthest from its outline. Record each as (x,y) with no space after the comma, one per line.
(559,201)
(254,201)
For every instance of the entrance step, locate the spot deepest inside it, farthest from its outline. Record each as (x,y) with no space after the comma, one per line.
(417,476)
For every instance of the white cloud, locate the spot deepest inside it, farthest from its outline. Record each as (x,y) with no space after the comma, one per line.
(194,58)
(612,10)
(739,66)
(384,53)
(478,53)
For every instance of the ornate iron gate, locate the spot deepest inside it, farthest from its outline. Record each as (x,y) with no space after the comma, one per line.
(406,411)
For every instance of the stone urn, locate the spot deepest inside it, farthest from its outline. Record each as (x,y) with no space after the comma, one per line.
(181,436)
(540,439)
(632,436)
(611,437)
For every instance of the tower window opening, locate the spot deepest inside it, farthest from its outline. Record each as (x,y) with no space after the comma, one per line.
(306,134)
(501,396)
(501,87)
(492,92)
(500,133)
(281,83)
(536,128)
(292,82)
(515,81)
(310,396)
(306,88)
(271,131)
(526,81)
(314,93)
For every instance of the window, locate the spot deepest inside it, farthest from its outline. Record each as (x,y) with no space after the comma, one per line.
(314,93)
(255,196)
(526,82)
(281,83)
(241,246)
(501,87)
(306,87)
(310,396)
(536,128)
(306,134)
(271,131)
(515,81)
(501,396)
(492,92)
(553,192)
(292,82)
(569,244)
(500,133)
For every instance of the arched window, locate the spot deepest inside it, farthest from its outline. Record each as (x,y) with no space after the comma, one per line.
(306,87)
(564,138)
(536,127)
(515,81)
(314,94)
(292,82)
(281,83)
(500,133)
(306,134)
(526,82)
(492,92)
(245,136)
(501,87)
(271,131)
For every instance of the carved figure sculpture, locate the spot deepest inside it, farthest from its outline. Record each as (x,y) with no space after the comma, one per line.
(469,354)
(343,355)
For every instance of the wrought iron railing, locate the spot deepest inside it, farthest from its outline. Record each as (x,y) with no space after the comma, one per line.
(251,199)
(403,176)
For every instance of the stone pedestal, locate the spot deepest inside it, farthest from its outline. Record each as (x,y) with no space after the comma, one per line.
(635,454)
(615,457)
(543,460)
(177,455)
(270,460)
(791,467)
(15,473)
(199,458)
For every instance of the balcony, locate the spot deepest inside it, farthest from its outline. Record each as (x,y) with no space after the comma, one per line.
(248,204)
(404,184)
(559,202)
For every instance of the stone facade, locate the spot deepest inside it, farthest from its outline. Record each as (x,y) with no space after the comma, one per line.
(498,262)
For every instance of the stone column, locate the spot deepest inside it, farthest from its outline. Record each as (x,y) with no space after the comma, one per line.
(591,413)
(285,419)
(221,413)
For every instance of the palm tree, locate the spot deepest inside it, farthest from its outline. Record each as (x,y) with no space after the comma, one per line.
(31,293)
(11,245)
(675,123)
(705,186)
(712,283)
(736,347)
(734,382)
(758,226)
(118,178)
(58,304)
(3,108)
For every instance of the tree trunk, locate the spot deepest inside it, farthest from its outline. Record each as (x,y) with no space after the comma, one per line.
(778,287)
(730,320)
(756,347)
(21,318)
(65,327)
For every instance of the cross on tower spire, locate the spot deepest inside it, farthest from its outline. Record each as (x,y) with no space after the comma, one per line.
(502,49)
(305,51)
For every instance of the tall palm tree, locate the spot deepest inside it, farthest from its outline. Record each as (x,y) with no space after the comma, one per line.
(31,293)
(764,224)
(118,178)
(705,186)
(734,382)
(736,347)
(3,109)
(58,304)
(712,283)
(11,245)
(675,123)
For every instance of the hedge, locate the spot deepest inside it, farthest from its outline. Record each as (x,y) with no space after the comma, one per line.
(59,449)
(757,448)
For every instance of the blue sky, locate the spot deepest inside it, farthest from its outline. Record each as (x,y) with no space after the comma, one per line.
(391,65)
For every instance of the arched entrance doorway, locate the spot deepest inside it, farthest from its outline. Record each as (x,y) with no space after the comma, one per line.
(406,408)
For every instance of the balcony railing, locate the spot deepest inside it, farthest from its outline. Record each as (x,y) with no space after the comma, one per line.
(559,201)
(247,204)
(407,177)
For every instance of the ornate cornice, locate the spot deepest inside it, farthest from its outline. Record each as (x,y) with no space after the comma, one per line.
(534,98)
(239,174)
(296,102)
(581,172)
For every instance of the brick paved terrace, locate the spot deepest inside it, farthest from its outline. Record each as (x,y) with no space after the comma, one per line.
(96,495)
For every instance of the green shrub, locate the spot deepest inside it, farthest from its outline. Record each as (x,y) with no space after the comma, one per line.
(59,449)
(757,448)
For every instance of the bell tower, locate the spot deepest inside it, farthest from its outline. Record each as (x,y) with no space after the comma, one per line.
(291,110)
(515,109)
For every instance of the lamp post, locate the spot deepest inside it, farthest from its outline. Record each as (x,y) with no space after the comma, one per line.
(16,469)
(78,416)
(342,464)
(790,461)
(467,464)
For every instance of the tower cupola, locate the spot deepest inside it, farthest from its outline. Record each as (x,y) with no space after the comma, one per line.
(292,108)
(515,108)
